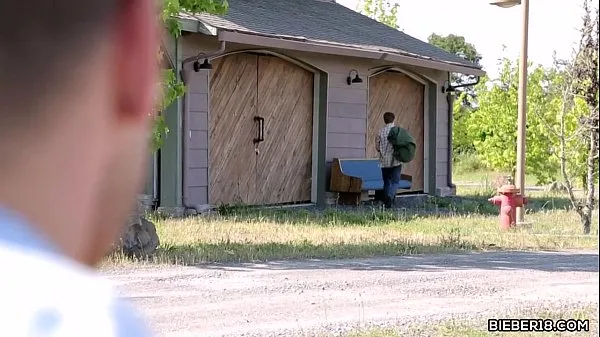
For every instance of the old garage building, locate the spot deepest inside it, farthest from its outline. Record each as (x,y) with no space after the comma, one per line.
(271,102)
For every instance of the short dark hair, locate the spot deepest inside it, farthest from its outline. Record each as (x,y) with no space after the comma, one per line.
(388,117)
(43,45)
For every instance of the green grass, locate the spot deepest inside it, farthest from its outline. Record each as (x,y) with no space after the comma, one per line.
(487,177)
(438,225)
(469,169)
(479,329)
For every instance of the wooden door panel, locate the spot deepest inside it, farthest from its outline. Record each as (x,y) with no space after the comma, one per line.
(285,101)
(232,159)
(403,96)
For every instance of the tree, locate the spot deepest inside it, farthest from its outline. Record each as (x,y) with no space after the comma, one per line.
(173,88)
(457,45)
(492,127)
(579,118)
(465,101)
(139,237)
(384,11)
(462,142)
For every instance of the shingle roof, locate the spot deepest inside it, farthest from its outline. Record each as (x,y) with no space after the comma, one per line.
(324,22)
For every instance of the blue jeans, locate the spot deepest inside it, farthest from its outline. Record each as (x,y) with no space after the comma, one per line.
(391,181)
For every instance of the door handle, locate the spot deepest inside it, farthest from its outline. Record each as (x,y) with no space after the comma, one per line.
(261,129)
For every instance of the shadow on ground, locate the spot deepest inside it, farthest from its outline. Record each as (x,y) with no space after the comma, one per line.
(448,240)
(506,261)
(449,252)
(371,213)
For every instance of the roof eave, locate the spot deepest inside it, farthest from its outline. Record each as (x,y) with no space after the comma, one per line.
(195,25)
(322,48)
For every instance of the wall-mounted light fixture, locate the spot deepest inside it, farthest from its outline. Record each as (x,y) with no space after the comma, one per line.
(196,66)
(356,79)
(204,65)
(447,87)
(505,3)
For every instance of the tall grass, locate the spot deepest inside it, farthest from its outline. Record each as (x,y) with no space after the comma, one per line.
(436,225)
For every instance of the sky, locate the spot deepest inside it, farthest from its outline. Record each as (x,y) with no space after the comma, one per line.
(553,26)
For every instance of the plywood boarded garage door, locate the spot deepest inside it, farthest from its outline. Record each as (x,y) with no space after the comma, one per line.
(400,94)
(232,107)
(285,101)
(244,86)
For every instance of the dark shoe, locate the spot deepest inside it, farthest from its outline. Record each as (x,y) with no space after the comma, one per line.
(387,202)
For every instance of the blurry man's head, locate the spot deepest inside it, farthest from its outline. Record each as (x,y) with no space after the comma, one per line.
(388,117)
(76,87)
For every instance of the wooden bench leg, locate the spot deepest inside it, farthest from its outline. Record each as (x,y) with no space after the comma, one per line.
(348,198)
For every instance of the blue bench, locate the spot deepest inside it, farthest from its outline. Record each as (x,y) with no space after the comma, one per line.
(351,177)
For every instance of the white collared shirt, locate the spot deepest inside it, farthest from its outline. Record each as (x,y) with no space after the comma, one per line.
(45,294)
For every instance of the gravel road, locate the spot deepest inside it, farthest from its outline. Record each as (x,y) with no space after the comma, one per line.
(305,297)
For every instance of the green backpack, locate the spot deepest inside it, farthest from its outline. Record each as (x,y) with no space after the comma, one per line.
(403,143)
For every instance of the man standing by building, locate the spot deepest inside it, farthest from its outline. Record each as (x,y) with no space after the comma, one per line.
(77,83)
(390,166)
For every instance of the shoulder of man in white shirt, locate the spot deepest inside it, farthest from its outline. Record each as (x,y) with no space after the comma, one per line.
(47,295)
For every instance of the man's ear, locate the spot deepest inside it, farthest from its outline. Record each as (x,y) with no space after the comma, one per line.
(135,67)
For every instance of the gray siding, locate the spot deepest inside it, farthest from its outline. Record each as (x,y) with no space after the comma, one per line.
(346,112)
(196,138)
(442,135)
(346,117)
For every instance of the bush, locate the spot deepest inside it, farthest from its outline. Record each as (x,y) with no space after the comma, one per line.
(468,162)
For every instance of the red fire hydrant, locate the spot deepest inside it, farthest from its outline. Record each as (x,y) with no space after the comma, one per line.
(508,200)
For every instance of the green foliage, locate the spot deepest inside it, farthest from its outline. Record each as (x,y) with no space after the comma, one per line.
(466,99)
(576,153)
(455,44)
(384,11)
(172,8)
(461,139)
(492,128)
(468,162)
(172,87)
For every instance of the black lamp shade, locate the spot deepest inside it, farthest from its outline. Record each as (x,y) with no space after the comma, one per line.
(204,65)
(357,79)
(351,80)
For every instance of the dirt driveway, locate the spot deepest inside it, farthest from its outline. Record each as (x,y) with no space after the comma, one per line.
(287,298)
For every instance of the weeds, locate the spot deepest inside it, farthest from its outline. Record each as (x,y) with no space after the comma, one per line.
(242,234)
(478,328)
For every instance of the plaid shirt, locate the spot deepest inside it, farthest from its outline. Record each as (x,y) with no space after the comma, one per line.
(385,149)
